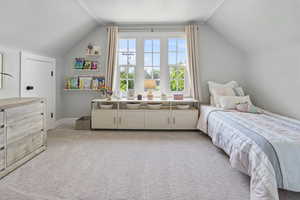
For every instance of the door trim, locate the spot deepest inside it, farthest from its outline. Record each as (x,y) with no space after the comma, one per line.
(33,57)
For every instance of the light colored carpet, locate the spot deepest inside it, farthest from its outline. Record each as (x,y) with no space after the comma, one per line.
(108,165)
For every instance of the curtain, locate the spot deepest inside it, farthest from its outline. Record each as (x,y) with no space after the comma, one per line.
(192,34)
(111,61)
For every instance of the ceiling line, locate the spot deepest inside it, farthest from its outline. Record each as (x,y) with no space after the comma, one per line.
(89,12)
(214,10)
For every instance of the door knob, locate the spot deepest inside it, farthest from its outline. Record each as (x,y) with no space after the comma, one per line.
(29,87)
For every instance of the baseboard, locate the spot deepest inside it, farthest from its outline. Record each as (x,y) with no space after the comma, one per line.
(63,121)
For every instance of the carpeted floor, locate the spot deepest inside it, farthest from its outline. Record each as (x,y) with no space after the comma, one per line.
(127,165)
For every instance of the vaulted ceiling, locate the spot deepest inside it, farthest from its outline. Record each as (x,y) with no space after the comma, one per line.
(54,26)
(45,26)
(150,11)
(259,24)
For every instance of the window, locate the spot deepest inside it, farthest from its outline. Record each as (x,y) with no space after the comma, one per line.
(152,56)
(127,63)
(177,63)
(152,61)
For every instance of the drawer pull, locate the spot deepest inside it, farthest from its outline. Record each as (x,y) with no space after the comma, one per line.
(2,126)
(2,148)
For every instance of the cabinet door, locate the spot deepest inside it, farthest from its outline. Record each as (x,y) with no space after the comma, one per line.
(184,119)
(104,119)
(131,119)
(157,119)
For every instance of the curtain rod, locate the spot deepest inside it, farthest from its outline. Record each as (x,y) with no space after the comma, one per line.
(151,28)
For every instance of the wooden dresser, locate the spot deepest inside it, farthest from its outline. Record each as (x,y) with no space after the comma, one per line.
(22,131)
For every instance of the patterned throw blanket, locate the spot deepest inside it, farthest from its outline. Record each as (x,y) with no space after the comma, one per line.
(264,146)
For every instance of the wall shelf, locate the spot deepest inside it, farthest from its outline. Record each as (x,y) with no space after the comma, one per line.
(81,90)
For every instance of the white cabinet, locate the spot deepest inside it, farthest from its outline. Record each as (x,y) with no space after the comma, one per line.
(157,119)
(131,119)
(104,119)
(184,119)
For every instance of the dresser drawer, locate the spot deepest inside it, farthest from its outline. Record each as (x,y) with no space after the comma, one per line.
(1,118)
(2,158)
(16,114)
(24,127)
(2,136)
(19,149)
(37,140)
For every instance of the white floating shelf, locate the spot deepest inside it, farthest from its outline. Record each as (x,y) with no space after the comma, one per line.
(81,90)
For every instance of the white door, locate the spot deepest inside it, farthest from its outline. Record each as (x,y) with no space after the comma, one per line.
(184,119)
(157,119)
(104,119)
(38,80)
(131,119)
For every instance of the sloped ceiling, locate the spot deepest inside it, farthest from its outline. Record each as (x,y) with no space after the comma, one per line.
(51,27)
(259,24)
(150,11)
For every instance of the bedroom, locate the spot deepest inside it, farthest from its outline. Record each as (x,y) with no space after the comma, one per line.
(123,90)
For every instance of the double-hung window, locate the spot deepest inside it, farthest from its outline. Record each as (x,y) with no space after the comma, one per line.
(152,56)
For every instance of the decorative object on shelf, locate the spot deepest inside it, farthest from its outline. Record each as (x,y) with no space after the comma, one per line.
(106,106)
(105,91)
(178,96)
(93,50)
(131,94)
(140,97)
(154,106)
(163,96)
(150,85)
(182,106)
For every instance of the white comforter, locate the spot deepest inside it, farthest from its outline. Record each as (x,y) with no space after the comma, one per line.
(248,157)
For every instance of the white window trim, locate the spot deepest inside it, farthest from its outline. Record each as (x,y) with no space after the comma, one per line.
(164,68)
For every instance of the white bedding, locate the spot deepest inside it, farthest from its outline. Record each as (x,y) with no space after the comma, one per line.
(248,157)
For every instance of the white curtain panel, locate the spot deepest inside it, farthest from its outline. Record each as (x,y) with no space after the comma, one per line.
(112,45)
(192,34)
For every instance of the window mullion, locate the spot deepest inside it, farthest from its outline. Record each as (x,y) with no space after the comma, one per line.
(139,68)
(164,69)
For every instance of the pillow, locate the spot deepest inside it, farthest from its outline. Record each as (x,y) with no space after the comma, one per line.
(221,91)
(213,85)
(246,107)
(231,84)
(230,102)
(239,91)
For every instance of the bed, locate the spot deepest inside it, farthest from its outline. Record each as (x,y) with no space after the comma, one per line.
(264,146)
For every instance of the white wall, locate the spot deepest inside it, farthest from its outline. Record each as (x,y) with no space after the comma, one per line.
(220,60)
(76,104)
(273,80)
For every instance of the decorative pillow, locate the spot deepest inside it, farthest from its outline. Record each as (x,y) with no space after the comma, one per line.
(221,91)
(239,91)
(246,107)
(230,102)
(218,89)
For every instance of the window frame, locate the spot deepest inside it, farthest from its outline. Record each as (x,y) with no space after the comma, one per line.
(140,38)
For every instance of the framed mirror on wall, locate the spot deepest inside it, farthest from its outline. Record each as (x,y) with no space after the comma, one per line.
(1,70)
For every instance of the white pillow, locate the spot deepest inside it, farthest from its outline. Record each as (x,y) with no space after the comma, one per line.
(217,89)
(239,91)
(221,91)
(230,102)
(231,84)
